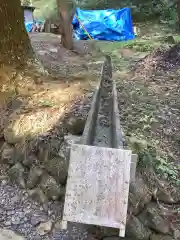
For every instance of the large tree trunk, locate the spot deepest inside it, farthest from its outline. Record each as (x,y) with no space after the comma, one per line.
(15,46)
(178,14)
(66,11)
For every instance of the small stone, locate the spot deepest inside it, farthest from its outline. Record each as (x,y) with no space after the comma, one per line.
(15,220)
(50,187)
(4,182)
(37,219)
(21,215)
(15,199)
(16,174)
(8,154)
(6,234)
(75,125)
(58,168)
(37,238)
(44,228)
(34,176)
(161,194)
(1,211)
(169,39)
(29,160)
(71,139)
(139,195)
(176,234)
(38,195)
(9,213)
(8,223)
(25,219)
(3,177)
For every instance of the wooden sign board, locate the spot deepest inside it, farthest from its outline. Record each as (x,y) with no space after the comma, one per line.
(98,186)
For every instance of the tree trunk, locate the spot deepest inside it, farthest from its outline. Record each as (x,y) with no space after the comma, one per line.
(66,11)
(178,14)
(15,46)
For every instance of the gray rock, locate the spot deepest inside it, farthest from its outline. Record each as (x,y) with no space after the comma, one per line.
(71,139)
(50,187)
(66,145)
(58,168)
(38,195)
(151,218)
(28,161)
(7,223)
(176,234)
(21,215)
(64,152)
(163,195)
(160,237)
(8,154)
(37,219)
(16,174)
(15,199)
(50,148)
(15,220)
(44,228)
(169,39)
(34,177)
(75,125)
(136,230)
(1,211)
(139,195)
(6,234)
(102,232)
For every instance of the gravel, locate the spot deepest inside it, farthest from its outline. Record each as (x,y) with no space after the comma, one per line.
(22,215)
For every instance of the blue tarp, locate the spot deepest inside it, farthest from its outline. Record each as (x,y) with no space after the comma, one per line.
(109,24)
(29,26)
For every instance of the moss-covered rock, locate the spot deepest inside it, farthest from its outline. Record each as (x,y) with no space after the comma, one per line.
(75,125)
(17,174)
(151,218)
(51,188)
(34,177)
(136,229)
(58,168)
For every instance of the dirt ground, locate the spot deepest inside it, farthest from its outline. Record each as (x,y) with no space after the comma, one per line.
(34,116)
(61,61)
(148,86)
(149,114)
(72,75)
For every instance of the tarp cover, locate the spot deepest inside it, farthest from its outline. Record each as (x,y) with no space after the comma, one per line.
(29,26)
(109,24)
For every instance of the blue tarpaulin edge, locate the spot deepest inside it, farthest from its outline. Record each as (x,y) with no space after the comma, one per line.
(109,24)
(29,25)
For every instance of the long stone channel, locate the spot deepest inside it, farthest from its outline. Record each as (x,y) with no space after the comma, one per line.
(103,127)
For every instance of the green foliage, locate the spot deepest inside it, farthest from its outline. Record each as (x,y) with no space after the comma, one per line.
(150,157)
(26,2)
(165,10)
(45,9)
